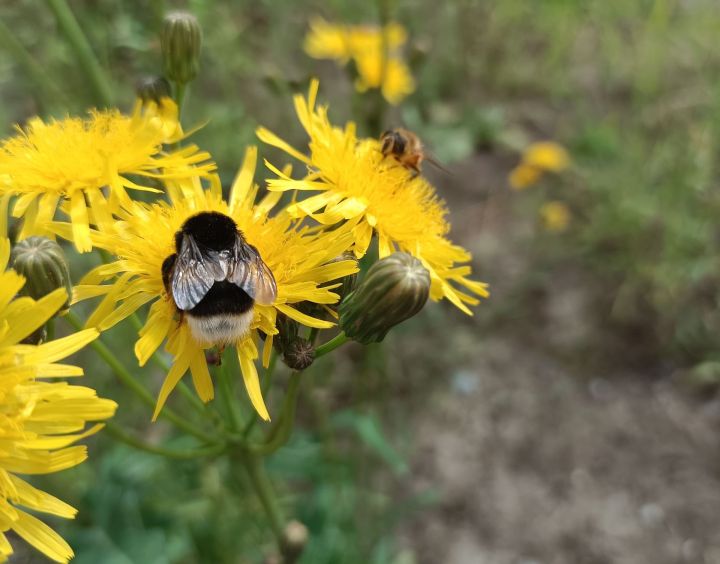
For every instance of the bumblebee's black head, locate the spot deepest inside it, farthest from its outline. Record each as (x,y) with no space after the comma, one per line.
(393,142)
(212,229)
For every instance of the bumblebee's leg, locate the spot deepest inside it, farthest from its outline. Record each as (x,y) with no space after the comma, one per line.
(221,350)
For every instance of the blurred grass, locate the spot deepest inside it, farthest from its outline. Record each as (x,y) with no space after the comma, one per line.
(631,87)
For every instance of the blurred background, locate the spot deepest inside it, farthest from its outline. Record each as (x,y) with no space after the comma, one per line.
(574,418)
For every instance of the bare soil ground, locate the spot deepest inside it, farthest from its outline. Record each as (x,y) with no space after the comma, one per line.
(546,444)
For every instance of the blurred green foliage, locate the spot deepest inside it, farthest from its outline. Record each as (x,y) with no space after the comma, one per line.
(631,87)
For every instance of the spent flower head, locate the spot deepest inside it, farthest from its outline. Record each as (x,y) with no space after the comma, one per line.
(87,165)
(353,182)
(299,257)
(39,419)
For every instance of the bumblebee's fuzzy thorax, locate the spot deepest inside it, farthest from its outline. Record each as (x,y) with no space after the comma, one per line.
(214,230)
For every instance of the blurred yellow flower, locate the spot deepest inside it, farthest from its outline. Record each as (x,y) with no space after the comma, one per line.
(555,216)
(548,156)
(397,83)
(89,163)
(523,176)
(300,259)
(538,158)
(375,52)
(355,184)
(39,420)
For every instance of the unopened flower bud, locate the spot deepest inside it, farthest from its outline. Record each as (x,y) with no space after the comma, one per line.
(153,89)
(180,42)
(393,290)
(42,262)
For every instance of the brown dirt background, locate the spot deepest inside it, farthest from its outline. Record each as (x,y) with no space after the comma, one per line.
(549,441)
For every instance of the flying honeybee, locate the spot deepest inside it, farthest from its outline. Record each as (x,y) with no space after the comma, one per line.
(215,277)
(407,149)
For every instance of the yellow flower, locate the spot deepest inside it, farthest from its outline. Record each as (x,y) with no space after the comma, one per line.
(548,156)
(39,420)
(538,158)
(524,176)
(328,41)
(374,195)
(555,216)
(375,52)
(299,258)
(397,82)
(89,163)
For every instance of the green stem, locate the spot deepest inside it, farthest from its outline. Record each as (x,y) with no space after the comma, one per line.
(338,340)
(313,334)
(267,380)
(228,394)
(35,71)
(116,432)
(282,430)
(51,329)
(95,74)
(180,91)
(264,490)
(138,389)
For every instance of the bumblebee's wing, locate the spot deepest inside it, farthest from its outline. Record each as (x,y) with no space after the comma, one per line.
(251,274)
(194,274)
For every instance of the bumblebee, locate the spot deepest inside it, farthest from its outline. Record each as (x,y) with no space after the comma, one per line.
(215,277)
(407,149)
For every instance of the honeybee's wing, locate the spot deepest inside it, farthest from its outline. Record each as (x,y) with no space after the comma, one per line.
(251,274)
(194,273)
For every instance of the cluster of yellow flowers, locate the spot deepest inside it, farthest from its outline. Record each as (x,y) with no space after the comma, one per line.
(375,52)
(39,419)
(74,179)
(538,159)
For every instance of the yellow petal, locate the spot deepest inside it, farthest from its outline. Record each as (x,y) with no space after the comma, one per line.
(267,136)
(244,179)
(59,348)
(177,371)
(246,355)
(80,226)
(306,320)
(42,537)
(201,376)
(34,498)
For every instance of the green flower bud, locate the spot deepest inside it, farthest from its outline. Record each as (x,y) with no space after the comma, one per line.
(153,89)
(42,262)
(180,42)
(393,290)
